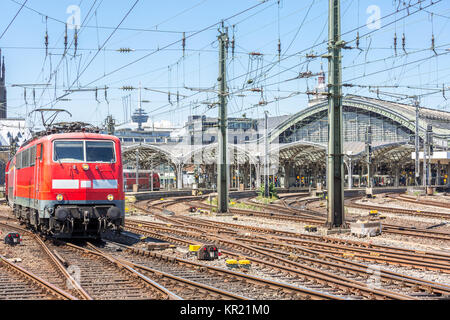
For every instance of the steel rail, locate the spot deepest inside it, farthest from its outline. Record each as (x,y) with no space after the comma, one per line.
(321,275)
(269,215)
(403,197)
(340,263)
(419,213)
(312,294)
(436,287)
(373,256)
(41,283)
(392,229)
(424,233)
(399,261)
(155,286)
(311,272)
(386,252)
(403,253)
(183,281)
(274,207)
(54,259)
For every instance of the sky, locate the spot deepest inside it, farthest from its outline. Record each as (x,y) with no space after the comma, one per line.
(154,31)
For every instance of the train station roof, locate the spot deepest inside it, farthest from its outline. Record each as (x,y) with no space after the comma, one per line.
(388,118)
(147,155)
(13,128)
(400,117)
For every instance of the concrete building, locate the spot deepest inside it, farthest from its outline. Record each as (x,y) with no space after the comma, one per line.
(202,130)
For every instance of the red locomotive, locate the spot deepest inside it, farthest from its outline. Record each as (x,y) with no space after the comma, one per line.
(68,184)
(129,176)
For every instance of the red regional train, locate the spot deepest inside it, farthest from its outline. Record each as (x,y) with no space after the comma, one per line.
(68,185)
(129,176)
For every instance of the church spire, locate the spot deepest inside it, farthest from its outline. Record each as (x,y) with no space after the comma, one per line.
(3,106)
(3,70)
(1,66)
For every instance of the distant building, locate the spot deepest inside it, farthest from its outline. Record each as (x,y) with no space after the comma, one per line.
(13,129)
(3,105)
(203,130)
(319,92)
(145,132)
(139,116)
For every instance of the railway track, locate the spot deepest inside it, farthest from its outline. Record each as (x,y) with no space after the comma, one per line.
(200,281)
(387,228)
(330,251)
(390,255)
(418,213)
(17,283)
(284,269)
(302,217)
(105,278)
(414,200)
(181,284)
(299,263)
(40,260)
(285,208)
(420,285)
(289,203)
(390,228)
(374,252)
(190,289)
(362,251)
(270,214)
(357,274)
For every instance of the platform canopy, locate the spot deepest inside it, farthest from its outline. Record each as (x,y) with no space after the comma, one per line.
(149,156)
(207,154)
(300,153)
(303,137)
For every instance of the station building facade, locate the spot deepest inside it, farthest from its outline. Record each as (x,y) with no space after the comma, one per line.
(303,140)
(297,146)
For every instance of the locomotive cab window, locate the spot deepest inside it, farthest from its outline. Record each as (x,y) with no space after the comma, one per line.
(33,156)
(19,160)
(84,151)
(39,151)
(68,151)
(100,151)
(26,158)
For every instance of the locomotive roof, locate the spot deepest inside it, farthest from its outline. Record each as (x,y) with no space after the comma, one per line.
(70,135)
(80,135)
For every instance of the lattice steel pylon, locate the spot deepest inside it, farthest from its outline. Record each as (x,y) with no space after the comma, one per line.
(222,164)
(335,185)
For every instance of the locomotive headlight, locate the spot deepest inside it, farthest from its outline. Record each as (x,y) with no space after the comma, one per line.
(85,166)
(110,197)
(59,197)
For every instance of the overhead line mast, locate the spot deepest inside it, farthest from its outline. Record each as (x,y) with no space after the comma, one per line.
(222,164)
(335,185)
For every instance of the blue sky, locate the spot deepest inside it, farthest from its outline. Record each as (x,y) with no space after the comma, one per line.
(300,25)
